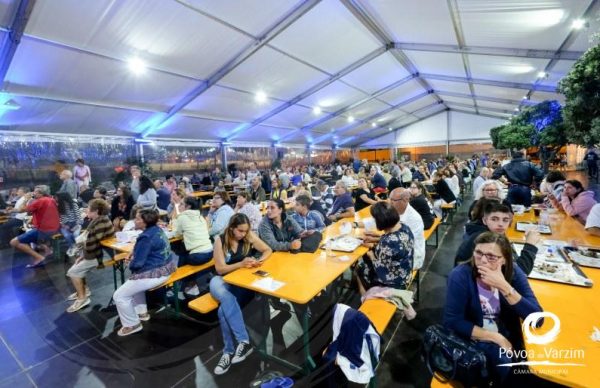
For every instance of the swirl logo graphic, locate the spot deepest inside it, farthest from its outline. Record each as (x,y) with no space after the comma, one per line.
(530,323)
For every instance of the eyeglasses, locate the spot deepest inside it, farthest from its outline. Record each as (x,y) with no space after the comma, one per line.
(489,256)
(217,197)
(491,190)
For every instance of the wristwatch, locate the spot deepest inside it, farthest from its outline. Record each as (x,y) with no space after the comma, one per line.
(512,291)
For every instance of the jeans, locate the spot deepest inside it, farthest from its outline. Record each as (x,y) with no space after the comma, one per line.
(230,312)
(519,195)
(130,299)
(198,258)
(70,234)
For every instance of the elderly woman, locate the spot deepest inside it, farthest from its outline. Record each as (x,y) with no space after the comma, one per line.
(98,229)
(575,200)
(364,196)
(279,232)
(390,263)
(150,265)
(219,214)
(488,189)
(486,298)
(237,247)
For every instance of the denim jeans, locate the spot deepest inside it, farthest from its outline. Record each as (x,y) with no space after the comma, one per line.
(230,312)
(519,195)
(70,234)
(198,258)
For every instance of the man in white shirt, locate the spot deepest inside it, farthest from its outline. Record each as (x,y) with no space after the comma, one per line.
(400,199)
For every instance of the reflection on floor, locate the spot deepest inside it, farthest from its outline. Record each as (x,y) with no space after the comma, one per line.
(43,346)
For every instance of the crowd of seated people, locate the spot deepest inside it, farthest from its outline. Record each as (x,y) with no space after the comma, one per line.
(240,235)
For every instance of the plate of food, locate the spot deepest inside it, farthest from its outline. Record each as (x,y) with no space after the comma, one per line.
(551,264)
(525,226)
(588,257)
(343,244)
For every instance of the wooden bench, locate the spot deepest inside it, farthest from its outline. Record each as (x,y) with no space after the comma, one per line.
(380,312)
(182,273)
(204,304)
(449,209)
(434,228)
(117,265)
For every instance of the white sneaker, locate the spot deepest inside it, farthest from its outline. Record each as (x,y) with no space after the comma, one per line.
(73,296)
(242,351)
(78,305)
(193,291)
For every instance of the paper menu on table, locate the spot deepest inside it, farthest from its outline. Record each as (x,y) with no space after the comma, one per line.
(268,284)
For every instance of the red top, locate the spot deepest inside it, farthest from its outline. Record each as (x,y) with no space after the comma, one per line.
(45,214)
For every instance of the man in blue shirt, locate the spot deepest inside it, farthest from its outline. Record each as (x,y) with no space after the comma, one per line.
(163,197)
(343,206)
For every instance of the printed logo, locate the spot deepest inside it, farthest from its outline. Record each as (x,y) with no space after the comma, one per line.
(531,322)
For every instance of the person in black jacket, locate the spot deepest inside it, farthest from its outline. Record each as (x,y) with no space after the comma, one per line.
(421,202)
(497,218)
(394,180)
(444,193)
(521,174)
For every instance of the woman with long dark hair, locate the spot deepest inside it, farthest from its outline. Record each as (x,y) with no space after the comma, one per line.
(70,217)
(237,247)
(575,200)
(280,232)
(121,206)
(148,196)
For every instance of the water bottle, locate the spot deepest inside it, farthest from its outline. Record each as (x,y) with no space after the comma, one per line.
(544,217)
(328,248)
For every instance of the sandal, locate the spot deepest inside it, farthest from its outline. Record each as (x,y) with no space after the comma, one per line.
(125,331)
(278,382)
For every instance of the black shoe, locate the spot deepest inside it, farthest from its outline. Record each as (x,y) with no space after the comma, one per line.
(224,364)
(242,351)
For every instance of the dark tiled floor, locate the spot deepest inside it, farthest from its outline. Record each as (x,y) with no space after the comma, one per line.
(43,346)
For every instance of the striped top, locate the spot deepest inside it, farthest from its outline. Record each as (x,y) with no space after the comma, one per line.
(99,229)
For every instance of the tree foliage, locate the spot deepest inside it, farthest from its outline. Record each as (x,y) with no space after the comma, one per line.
(581,88)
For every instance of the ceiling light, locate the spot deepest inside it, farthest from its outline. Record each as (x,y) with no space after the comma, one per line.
(10,105)
(260,96)
(136,66)
(350,119)
(390,128)
(516,109)
(578,24)
(525,98)
(373,125)
(542,74)
(317,110)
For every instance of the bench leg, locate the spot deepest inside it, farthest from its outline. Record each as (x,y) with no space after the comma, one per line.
(176,291)
(310,364)
(437,238)
(114,268)
(418,291)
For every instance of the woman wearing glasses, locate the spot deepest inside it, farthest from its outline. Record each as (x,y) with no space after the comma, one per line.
(486,298)
(490,189)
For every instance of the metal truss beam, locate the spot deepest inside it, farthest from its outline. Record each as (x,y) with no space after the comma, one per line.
(369,57)
(234,62)
(367,139)
(485,98)
(371,117)
(13,36)
(385,38)
(348,108)
(502,84)
(494,51)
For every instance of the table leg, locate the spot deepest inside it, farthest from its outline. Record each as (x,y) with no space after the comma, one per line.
(309,363)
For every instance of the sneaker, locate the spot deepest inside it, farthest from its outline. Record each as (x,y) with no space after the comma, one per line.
(224,364)
(242,351)
(193,291)
(125,331)
(73,296)
(78,305)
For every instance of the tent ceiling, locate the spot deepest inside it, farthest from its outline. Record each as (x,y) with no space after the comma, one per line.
(387,63)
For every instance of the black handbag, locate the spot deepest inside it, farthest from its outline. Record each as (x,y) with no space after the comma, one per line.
(454,358)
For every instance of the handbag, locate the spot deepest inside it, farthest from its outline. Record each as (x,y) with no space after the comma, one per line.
(454,358)
(310,243)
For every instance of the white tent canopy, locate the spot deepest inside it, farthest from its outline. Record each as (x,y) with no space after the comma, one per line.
(330,72)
